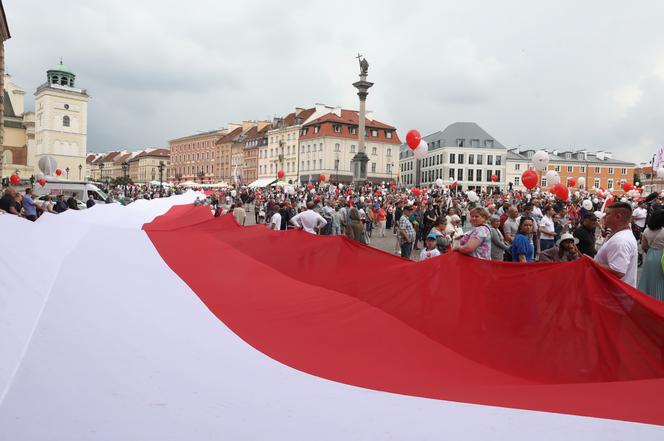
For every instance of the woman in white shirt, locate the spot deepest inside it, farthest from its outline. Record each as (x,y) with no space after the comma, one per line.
(652,242)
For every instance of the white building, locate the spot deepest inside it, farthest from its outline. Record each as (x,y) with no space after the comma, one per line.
(462,153)
(61,119)
(328,143)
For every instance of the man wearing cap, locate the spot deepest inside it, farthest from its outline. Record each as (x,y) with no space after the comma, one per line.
(586,234)
(406,232)
(430,250)
(564,251)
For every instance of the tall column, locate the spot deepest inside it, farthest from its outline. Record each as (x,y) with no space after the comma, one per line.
(361,159)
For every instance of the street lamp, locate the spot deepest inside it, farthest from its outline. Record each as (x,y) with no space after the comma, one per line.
(125,168)
(153,173)
(67,171)
(161,167)
(80,169)
(101,172)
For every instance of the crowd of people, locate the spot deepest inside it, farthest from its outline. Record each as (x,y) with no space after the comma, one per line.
(619,234)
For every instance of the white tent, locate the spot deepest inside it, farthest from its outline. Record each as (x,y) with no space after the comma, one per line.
(260,183)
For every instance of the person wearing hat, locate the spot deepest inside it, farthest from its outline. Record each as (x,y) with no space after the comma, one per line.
(586,234)
(564,251)
(430,250)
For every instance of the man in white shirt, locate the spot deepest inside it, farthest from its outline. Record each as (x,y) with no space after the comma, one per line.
(275,221)
(309,220)
(547,230)
(639,216)
(619,253)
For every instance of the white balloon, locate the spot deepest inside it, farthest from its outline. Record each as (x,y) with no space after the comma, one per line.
(233,193)
(540,159)
(421,151)
(472,196)
(577,194)
(48,165)
(595,201)
(638,184)
(361,198)
(660,172)
(599,214)
(39,176)
(623,199)
(581,181)
(587,204)
(528,196)
(439,182)
(552,177)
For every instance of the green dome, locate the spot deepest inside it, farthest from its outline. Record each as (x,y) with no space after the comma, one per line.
(61,68)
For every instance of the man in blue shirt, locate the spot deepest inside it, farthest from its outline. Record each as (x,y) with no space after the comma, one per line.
(29,206)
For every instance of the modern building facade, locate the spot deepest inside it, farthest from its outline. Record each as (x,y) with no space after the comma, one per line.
(599,169)
(463,153)
(194,157)
(328,142)
(61,119)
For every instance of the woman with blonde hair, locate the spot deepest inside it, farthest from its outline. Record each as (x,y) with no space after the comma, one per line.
(477,242)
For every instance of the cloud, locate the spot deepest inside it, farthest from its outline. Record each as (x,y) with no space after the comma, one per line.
(531,74)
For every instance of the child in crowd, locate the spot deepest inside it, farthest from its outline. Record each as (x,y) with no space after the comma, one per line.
(430,250)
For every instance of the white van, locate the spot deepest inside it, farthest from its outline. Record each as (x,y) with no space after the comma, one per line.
(80,189)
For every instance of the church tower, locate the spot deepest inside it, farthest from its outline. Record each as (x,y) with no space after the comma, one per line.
(61,120)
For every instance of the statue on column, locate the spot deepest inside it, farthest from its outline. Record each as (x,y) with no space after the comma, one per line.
(364,65)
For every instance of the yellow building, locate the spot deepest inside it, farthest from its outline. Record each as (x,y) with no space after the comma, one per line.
(18,144)
(145,166)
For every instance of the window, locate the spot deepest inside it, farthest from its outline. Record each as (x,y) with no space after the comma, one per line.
(543,182)
(302,166)
(610,170)
(557,168)
(308,165)
(460,158)
(389,152)
(452,174)
(353,130)
(316,129)
(479,159)
(470,174)
(478,175)
(570,169)
(352,149)
(474,142)
(388,134)
(373,167)
(374,133)
(374,151)
(597,170)
(65,121)
(471,160)
(452,158)
(582,169)
(320,147)
(336,164)
(489,159)
(337,147)
(460,174)
(320,164)
(459,142)
(337,128)
(498,159)
(304,131)
(623,171)
(488,143)
(517,167)
(517,180)
(596,183)
(609,184)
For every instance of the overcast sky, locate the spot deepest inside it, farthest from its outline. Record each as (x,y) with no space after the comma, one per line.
(568,74)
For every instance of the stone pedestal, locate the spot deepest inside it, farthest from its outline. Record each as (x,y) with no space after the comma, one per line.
(361,159)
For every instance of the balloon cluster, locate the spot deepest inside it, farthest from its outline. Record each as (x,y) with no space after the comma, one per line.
(419,146)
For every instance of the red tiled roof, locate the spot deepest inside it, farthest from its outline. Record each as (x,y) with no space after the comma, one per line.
(230,137)
(289,120)
(121,158)
(109,157)
(350,117)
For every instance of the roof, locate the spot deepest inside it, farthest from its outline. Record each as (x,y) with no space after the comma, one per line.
(292,119)
(577,157)
(462,130)
(61,68)
(232,136)
(9,109)
(4,20)
(122,158)
(160,153)
(109,157)
(351,117)
(199,135)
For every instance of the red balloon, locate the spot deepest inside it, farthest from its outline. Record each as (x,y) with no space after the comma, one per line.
(58,172)
(627,186)
(529,179)
(14,179)
(280,174)
(453,184)
(413,139)
(518,195)
(42,182)
(322,178)
(571,182)
(310,186)
(416,191)
(494,178)
(560,191)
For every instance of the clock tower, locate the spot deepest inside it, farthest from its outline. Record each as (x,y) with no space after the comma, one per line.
(61,120)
